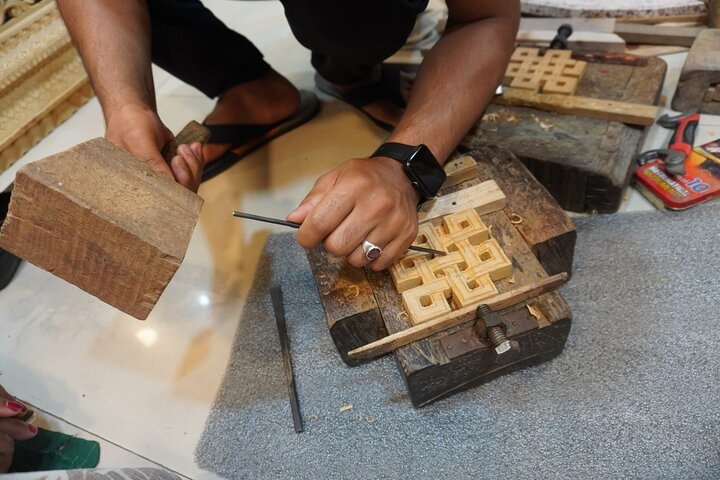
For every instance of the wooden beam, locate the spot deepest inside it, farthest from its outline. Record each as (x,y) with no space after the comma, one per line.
(485,197)
(632,113)
(657,35)
(467,314)
(698,18)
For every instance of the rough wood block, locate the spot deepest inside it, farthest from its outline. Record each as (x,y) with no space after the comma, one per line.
(103,220)
(700,74)
(351,311)
(459,169)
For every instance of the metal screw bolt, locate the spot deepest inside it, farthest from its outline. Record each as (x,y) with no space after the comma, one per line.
(495,333)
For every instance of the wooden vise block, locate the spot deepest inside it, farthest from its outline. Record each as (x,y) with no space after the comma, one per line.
(101,219)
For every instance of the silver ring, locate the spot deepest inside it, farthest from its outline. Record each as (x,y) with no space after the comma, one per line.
(371,250)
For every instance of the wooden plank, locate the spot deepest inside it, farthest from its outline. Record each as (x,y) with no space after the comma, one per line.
(632,113)
(700,73)
(459,317)
(697,18)
(657,35)
(602,25)
(350,308)
(104,221)
(583,41)
(485,197)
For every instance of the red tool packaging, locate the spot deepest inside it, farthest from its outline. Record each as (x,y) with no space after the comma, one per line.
(678,177)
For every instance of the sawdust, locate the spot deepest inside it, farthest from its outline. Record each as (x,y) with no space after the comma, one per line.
(345,408)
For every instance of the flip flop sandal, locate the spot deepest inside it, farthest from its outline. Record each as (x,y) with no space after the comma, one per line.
(9,263)
(389,87)
(245,139)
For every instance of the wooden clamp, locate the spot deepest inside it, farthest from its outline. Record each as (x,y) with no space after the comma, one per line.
(105,221)
(426,329)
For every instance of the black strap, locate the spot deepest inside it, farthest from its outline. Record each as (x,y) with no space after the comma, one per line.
(396,151)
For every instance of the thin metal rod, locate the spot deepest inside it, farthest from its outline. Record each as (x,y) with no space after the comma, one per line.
(278,307)
(285,223)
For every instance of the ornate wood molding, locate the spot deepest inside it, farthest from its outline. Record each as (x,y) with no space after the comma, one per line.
(42,80)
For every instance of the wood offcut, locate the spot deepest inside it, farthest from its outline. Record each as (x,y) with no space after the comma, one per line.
(103,220)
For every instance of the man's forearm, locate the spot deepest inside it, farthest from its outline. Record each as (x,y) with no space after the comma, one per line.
(113,38)
(459,75)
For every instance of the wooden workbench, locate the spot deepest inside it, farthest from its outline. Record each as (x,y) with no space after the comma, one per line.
(585,163)
(362,306)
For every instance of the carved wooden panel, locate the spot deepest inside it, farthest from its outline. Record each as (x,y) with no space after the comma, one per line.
(554,72)
(435,286)
(42,80)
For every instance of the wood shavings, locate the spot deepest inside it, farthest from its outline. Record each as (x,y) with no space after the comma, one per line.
(345,408)
(312,416)
(367,419)
(516,219)
(545,127)
(539,316)
(490,117)
(511,280)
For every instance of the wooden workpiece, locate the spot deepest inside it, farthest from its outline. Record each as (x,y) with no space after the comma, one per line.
(553,71)
(363,306)
(586,163)
(699,84)
(101,219)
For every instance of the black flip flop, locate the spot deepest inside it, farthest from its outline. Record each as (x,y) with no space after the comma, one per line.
(9,263)
(388,87)
(252,137)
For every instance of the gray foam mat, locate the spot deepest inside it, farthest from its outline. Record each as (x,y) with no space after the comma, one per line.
(635,394)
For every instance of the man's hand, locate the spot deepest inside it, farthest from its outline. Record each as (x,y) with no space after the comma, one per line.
(138,129)
(362,199)
(11,429)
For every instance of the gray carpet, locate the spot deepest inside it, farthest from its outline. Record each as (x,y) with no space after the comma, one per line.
(635,394)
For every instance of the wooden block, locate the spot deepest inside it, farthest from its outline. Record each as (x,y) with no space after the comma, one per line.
(657,35)
(700,73)
(484,198)
(631,113)
(351,311)
(459,169)
(103,220)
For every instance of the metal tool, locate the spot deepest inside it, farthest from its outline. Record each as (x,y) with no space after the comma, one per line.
(561,39)
(680,145)
(278,307)
(285,223)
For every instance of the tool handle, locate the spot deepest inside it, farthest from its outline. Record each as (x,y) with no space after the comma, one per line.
(193,132)
(684,136)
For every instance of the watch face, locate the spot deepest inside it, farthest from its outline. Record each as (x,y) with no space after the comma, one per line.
(426,170)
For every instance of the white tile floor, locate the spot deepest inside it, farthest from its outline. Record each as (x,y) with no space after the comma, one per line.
(144,389)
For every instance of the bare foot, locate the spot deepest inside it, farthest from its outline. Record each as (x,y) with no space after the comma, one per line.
(263,101)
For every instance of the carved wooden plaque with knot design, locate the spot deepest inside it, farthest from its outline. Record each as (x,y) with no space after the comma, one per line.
(435,286)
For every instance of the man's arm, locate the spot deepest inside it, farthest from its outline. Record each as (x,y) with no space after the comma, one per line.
(113,38)
(371,199)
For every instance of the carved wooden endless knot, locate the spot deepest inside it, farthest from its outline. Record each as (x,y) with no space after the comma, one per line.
(554,72)
(432,287)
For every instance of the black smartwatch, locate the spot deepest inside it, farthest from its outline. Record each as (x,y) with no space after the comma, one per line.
(425,173)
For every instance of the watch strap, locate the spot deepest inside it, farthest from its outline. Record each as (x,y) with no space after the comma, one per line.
(396,151)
